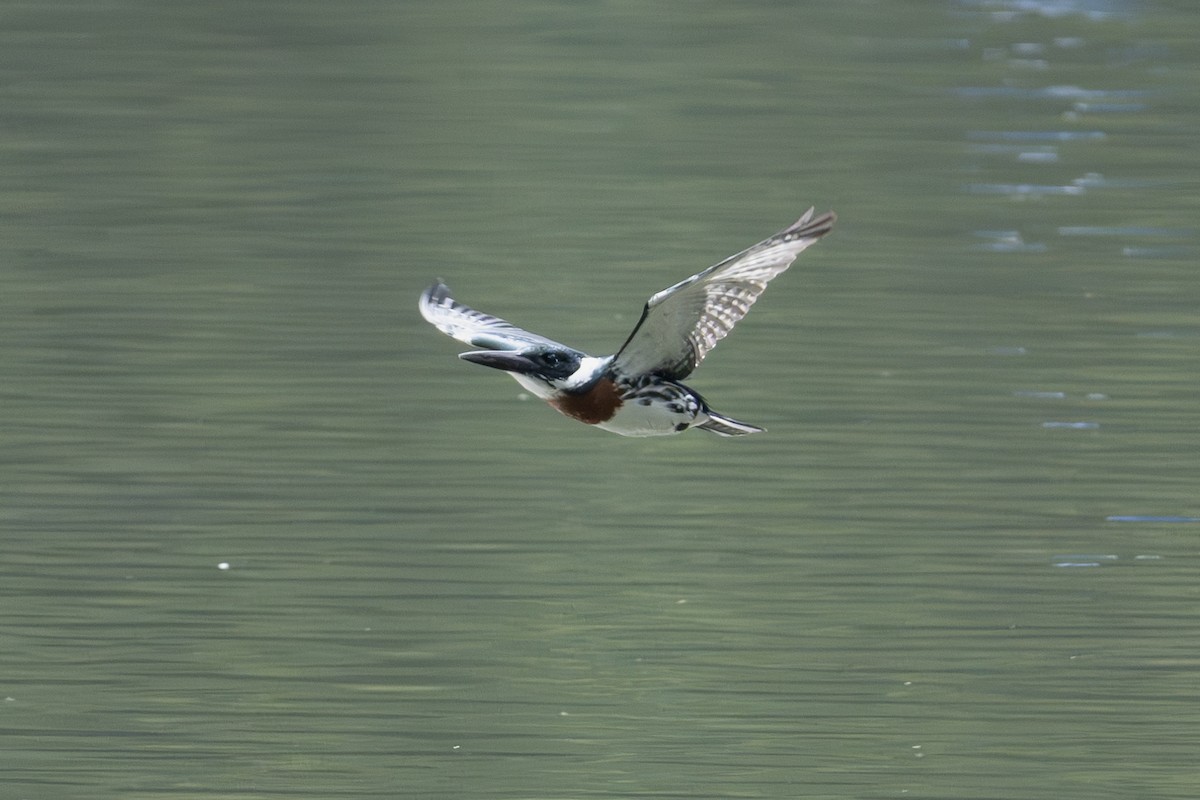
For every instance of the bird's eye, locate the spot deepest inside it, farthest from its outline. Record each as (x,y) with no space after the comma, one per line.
(552,359)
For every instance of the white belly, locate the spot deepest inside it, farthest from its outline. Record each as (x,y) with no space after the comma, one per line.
(633,419)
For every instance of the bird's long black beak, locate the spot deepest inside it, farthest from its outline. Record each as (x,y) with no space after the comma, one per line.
(500,359)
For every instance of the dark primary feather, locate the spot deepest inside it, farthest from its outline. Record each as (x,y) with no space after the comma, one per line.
(682,323)
(475,327)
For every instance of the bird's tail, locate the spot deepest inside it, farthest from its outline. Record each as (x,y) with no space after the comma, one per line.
(724,426)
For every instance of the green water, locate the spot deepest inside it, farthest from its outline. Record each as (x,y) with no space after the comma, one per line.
(265,536)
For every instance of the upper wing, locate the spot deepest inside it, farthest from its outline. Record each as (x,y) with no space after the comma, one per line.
(474,327)
(682,323)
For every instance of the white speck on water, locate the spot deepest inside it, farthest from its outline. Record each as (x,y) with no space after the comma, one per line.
(1089,560)
(1008,242)
(1037,157)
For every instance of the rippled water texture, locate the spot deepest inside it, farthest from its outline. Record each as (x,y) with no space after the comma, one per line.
(266,536)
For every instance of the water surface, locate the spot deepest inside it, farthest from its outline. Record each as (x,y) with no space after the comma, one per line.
(266,537)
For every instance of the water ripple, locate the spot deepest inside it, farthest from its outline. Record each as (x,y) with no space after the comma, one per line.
(1037,136)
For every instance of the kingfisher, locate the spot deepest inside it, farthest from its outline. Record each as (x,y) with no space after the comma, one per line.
(637,390)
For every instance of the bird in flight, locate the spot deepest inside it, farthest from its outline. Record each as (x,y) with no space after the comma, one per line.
(636,391)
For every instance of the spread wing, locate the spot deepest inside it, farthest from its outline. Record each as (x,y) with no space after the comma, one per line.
(474,327)
(682,323)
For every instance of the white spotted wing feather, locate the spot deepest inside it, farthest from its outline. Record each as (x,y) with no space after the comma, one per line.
(682,323)
(474,327)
